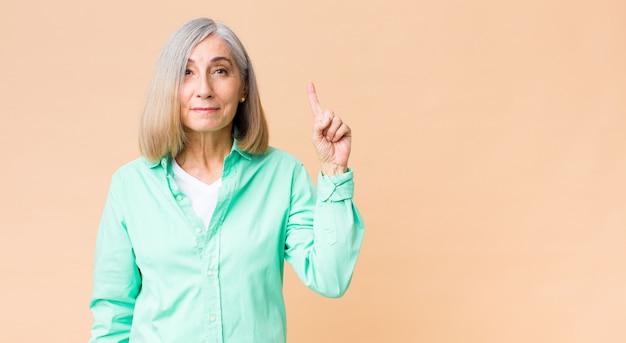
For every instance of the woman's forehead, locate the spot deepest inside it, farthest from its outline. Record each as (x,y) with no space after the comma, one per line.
(210,48)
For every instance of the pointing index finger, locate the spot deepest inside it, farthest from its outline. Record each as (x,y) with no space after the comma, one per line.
(313,100)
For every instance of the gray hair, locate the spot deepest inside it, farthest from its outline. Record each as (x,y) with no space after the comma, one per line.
(160,127)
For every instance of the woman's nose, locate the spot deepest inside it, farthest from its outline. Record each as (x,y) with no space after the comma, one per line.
(204,89)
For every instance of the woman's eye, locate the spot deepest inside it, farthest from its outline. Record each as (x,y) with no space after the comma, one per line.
(187,72)
(221,71)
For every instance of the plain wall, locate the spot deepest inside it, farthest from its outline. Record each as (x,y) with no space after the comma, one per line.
(489,155)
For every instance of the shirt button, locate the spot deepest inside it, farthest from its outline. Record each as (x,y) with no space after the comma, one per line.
(212,318)
(179,197)
(198,230)
(209,273)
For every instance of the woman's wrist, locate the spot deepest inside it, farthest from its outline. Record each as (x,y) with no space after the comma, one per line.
(330,169)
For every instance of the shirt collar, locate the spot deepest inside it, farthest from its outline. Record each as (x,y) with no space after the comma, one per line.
(167,159)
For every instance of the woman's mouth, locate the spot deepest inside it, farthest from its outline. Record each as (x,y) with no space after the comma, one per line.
(205,110)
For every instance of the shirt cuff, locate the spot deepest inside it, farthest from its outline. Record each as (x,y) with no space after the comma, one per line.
(335,188)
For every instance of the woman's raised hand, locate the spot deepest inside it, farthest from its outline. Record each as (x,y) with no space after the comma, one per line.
(331,137)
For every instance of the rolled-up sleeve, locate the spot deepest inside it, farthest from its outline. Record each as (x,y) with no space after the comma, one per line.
(116,277)
(324,232)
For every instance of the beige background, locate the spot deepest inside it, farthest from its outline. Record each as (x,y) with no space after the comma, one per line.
(489,150)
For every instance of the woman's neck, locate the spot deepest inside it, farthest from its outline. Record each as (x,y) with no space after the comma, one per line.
(203,156)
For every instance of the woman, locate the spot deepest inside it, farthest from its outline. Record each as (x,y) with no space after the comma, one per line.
(193,236)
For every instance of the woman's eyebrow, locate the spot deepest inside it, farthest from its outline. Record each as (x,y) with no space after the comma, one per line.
(214,59)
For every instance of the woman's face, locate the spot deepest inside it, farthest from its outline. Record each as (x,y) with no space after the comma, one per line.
(211,89)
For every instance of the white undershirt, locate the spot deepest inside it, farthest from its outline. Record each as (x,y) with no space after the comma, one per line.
(203,197)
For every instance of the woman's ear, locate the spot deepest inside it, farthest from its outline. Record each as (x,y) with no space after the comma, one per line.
(244,93)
